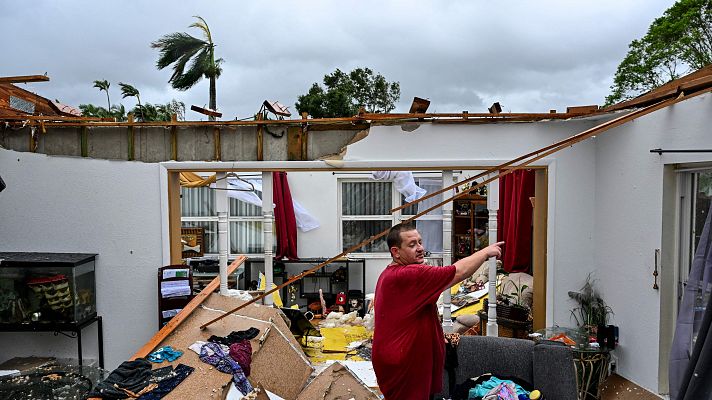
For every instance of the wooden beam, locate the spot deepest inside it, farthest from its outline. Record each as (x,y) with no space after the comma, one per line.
(539,242)
(174,138)
(216,141)
(167,329)
(24,78)
(174,223)
(84,141)
(130,139)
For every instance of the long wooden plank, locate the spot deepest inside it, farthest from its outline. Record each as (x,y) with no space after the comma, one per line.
(185,312)
(541,153)
(24,78)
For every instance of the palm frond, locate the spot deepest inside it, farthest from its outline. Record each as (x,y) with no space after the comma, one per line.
(194,73)
(102,85)
(202,25)
(174,46)
(128,90)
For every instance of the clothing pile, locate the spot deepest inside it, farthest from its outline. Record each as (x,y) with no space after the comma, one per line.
(136,380)
(489,387)
(231,354)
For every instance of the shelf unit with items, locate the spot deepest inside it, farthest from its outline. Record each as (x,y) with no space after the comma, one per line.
(469,225)
(175,291)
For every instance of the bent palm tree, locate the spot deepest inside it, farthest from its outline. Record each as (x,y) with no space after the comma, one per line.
(104,85)
(130,91)
(179,48)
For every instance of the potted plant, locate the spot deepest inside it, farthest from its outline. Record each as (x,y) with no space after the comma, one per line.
(510,301)
(591,311)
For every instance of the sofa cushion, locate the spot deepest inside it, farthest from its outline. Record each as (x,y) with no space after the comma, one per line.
(553,371)
(478,355)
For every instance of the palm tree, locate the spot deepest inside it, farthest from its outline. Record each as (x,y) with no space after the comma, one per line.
(104,85)
(179,48)
(130,91)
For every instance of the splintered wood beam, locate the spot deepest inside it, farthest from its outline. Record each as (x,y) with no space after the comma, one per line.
(543,152)
(185,312)
(24,78)
(508,169)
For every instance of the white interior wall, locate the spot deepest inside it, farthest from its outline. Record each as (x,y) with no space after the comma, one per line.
(628,215)
(111,208)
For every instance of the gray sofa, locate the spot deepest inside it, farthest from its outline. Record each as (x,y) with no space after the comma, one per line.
(548,366)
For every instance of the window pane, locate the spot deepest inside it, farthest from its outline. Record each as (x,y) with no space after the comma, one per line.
(356,232)
(211,233)
(246,237)
(431,185)
(197,202)
(239,208)
(366,198)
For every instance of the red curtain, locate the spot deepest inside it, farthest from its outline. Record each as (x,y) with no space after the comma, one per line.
(285,224)
(514,220)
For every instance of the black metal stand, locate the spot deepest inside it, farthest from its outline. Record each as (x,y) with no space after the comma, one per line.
(74,329)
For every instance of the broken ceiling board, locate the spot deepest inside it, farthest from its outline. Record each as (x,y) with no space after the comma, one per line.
(264,313)
(277,364)
(337,382)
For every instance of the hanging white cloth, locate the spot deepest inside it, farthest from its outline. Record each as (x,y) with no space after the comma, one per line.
(305,221)
(404,182)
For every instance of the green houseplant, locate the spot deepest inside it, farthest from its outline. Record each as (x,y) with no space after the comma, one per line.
(591,311)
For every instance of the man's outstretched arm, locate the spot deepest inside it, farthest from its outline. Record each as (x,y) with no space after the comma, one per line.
(468,265)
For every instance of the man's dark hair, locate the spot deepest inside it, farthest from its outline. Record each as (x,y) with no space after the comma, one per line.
(394,238)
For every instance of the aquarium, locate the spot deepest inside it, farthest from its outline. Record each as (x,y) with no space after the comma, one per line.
(38,288)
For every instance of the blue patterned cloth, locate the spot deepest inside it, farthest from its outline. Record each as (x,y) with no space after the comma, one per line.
(213,354)
(165,353)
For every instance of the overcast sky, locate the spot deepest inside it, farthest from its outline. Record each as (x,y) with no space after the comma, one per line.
(531,56)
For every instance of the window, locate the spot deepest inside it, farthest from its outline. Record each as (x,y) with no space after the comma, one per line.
(365,212)
(244,221)
(365,206)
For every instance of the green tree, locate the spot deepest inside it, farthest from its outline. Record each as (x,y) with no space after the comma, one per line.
(179,48)
(160,112)
(130,91)
(104,85)
(117,112)
(345,93)
(675,44)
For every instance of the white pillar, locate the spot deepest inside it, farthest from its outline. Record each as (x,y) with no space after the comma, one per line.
(267,223)
(222,208)
(447,250)
(492,206)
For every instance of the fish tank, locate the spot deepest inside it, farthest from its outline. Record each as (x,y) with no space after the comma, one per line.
(38,288)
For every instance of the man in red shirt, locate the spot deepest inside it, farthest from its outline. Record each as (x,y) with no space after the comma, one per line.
(408,343)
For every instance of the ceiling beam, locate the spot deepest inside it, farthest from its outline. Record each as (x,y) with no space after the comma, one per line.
(24,78)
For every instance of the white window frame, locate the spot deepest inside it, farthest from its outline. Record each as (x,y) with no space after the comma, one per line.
(397,217)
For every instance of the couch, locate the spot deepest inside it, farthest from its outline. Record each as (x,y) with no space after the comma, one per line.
(548,366)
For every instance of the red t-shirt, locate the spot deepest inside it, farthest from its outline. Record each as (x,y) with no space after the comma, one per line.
(408,343)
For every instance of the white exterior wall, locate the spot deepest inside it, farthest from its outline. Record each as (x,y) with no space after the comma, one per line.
(628,214)
(71,205)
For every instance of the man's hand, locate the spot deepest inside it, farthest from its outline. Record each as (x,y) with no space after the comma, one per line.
(493,250)
(468,265)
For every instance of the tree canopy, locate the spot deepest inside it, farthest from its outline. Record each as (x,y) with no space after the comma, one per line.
(676,43)
(343,94)
(179,48)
